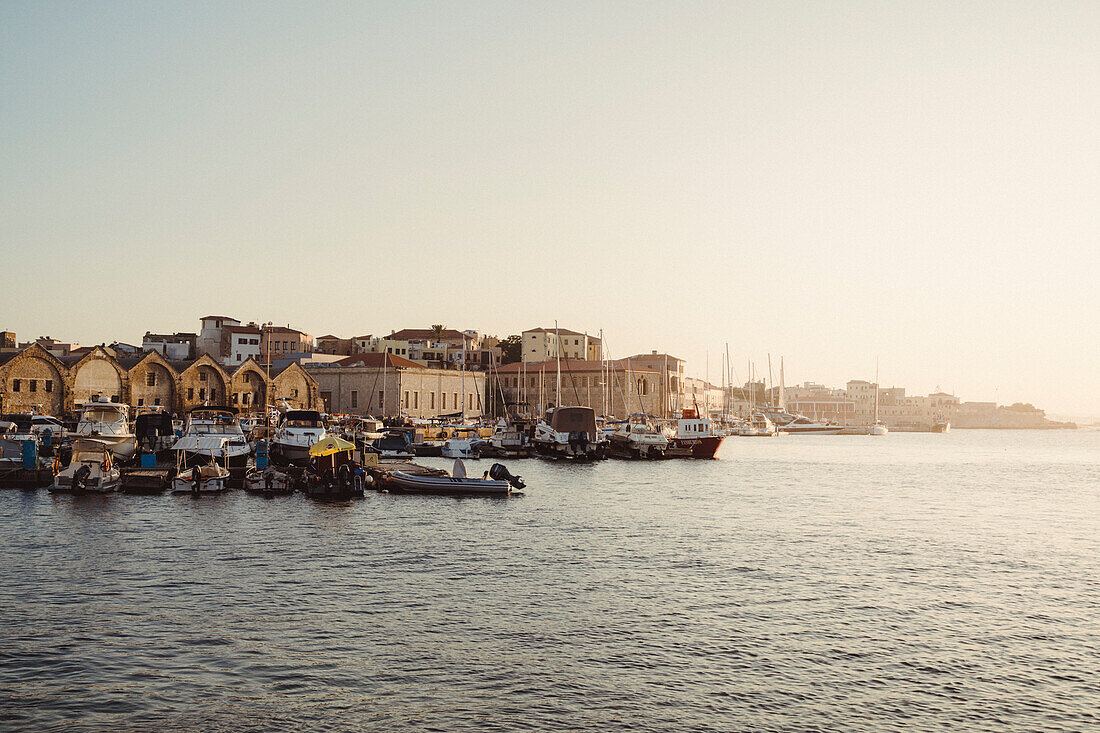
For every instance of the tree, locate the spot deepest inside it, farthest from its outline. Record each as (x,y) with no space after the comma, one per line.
(437,332)
(511,349)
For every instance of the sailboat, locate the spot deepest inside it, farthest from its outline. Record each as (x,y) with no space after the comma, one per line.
(879,428)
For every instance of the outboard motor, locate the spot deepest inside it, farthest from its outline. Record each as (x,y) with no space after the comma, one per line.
(499,473)
(80,478)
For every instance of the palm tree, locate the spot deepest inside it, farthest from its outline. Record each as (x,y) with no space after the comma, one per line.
(437,332)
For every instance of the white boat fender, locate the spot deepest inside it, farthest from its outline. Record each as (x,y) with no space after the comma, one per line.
(459,470)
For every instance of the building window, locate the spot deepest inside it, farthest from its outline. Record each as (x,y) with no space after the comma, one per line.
(247,397)
(114,398)
(202,376)
(443,397)
(202,393)
(34,385)
(238,357)
(455,403)
(234,398)
(354,399)
(190,393)
(431,400)
(157,401)
(49,385)
(140,401)
(150,379)
(15,385)
(416,400)
(406,399)
(381,398)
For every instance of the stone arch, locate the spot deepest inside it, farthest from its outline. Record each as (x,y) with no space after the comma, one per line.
(33,380)
(248,387)
(203,382)
(297,387)
(153,383)
(99,374)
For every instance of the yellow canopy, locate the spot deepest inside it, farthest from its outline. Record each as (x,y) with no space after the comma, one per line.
(330,445)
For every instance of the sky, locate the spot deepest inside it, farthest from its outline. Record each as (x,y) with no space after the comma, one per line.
(836,183)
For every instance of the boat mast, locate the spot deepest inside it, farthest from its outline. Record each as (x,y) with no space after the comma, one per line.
(557,344)
(876,390)
(462,417)
(782,387)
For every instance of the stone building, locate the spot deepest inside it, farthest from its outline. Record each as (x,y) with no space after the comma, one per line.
(35,379)
(620,390)
(386,385)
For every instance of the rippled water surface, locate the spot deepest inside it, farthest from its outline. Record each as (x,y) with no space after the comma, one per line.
(916,582)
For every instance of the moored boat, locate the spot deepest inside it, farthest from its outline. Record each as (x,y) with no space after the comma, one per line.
(637,438)
(91,470)
(297,433)
(497,481)
(570,432)
(695,437)
(108,422)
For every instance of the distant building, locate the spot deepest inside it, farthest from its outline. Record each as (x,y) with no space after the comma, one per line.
(671,370)
(53,346)
(174,347)
(211,336)
(283,340)
(241,343)
(542,344)
(7,341)
(619,390)
(330,344)
(387,385)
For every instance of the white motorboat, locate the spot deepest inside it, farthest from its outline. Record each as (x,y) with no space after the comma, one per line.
(879,428)
(759,425)
(497,481)
(297,433)
(205,476)
(636,438)
(215,423)
(463,447)
(570,432)
(510,439)
(92,469)
(268,481)
(12,438)
(108,422)
(208,479)
(802,425)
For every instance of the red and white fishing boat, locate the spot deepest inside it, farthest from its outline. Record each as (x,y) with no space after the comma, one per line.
(695,437)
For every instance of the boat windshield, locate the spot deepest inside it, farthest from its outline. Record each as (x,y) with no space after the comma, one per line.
(303,423)
(100,414)
(205,428)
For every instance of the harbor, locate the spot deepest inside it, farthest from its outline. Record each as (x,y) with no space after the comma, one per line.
(714,580)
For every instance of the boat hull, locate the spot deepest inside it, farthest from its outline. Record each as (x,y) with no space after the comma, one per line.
(702,447)
(823,430)
(448,485)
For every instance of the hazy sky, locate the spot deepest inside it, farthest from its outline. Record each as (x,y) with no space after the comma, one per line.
(829,181)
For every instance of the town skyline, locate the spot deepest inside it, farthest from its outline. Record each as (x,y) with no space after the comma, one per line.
(698,371)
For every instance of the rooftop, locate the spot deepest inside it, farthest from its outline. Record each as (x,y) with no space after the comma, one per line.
(419,334)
